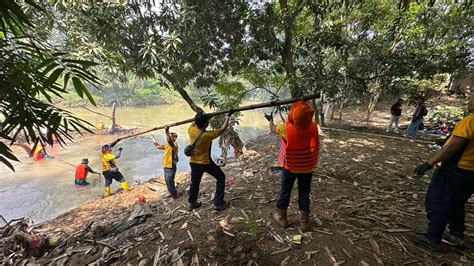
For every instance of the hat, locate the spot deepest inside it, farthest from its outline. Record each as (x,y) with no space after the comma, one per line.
(200,119)
(301,114)
(85,160)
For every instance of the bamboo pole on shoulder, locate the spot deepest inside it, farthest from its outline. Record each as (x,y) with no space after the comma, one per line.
(240,109)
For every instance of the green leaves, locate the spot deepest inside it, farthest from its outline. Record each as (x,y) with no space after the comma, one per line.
(32,69)
(6,154)
(81,90)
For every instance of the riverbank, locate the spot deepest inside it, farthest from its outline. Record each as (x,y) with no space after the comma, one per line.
(365,203)
(44,189)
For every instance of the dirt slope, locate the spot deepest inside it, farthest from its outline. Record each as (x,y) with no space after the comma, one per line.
(364,205)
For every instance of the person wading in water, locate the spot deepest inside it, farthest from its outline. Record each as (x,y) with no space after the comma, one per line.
(110,170)
(81,173)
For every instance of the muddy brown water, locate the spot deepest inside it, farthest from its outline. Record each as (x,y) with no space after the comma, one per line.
(45,189)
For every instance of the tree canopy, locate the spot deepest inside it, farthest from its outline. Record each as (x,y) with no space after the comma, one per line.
(31,72)
(223,51)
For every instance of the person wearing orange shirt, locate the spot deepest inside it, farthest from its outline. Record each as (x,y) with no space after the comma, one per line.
(451,186)
(82,171)
(298,155)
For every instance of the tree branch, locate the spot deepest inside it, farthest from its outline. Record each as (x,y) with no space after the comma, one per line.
(181,91)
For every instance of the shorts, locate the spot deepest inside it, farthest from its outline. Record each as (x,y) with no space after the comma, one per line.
(109,175)
(81,182)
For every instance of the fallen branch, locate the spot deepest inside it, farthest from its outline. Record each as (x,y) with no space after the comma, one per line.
(240,109)
(92,111)
(7,223)
(283,250)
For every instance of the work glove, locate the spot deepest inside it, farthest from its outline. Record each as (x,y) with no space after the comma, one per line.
(120,149)
(422,168)
(231,112)
(269,117)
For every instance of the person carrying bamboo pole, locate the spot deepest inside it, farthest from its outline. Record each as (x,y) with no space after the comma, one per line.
(201,161)
(170,159)
(110,170)
(298,155)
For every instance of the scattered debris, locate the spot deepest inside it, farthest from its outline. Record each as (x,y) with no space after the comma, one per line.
(283,250)
(364,224)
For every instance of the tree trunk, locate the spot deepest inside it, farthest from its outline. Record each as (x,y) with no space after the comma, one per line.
(316,111)
(230,136)
(341,108)
(373,101)
(113,129)
(286,50)
(333,105)
(321,117)
(184,94)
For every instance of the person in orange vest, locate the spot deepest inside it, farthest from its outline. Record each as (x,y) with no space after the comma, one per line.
(298,155)
(81,173)
(170,159)
(110,170)
(38,153)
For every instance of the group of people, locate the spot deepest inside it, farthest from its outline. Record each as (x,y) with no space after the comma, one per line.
(452,183)
(416,121)
(451,186)
(298,156)
(110,170)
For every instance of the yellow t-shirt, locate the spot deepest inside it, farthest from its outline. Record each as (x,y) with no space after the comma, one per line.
(168,155)
(281,130)
(201,154)
(465,129)
(108,160)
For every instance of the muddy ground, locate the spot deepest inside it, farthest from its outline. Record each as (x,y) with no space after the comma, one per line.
(365,203)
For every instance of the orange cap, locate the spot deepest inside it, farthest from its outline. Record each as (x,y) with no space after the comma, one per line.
(301,114)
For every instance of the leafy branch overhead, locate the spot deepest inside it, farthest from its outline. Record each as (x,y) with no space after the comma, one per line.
(32,72)
(222,52)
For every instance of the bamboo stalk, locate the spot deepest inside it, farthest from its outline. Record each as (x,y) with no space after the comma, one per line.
(240,109)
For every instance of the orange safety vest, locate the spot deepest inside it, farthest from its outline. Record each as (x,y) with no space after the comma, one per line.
(81,171)
(301,148)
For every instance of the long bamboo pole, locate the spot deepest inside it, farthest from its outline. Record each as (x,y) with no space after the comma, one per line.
(240,109)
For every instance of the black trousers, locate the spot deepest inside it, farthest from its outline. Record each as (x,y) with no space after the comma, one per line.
(109,175)
(197,170)
(447,195)
(304,187)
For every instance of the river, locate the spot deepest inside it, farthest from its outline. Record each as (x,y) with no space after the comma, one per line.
(45,189)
